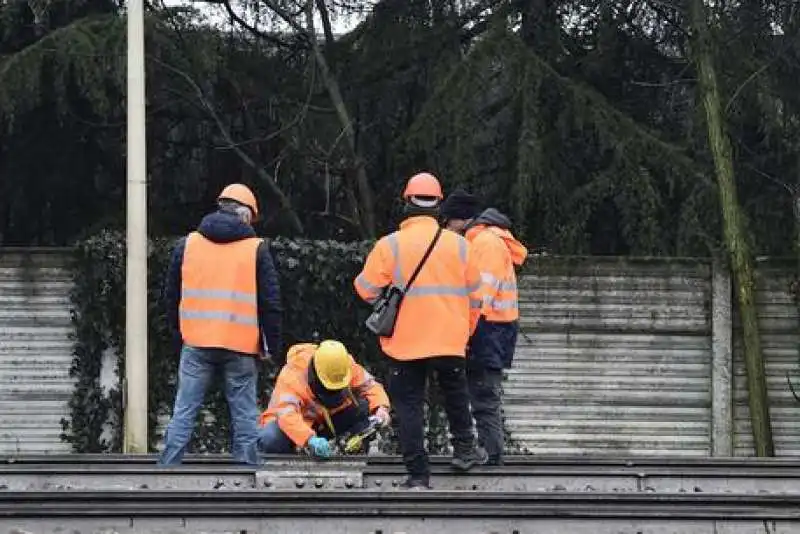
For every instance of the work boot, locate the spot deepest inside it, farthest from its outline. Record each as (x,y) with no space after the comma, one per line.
(465,459)
(416,484)
(495,459)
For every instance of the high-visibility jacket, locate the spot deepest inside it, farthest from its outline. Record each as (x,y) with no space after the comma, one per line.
(218,307)
(296,408)
(441,309)
(495,252)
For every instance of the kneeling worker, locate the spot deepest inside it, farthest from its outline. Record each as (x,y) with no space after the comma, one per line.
(319,394)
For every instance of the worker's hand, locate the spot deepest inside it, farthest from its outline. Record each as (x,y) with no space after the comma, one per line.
(319,447)
(382,414)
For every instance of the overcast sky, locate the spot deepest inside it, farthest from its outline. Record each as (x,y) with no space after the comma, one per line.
(216,13)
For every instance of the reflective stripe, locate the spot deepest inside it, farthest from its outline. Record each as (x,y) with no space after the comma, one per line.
(505,305)
(284,399)
(289,399)
(498,285)
(462,249)
(490,280)
(285,410)
(427,291)
(430,290)
(397,274)
(475,304)
(499,304)
(361,280)
(508,285)
(219,294)
(250,320)
(474,287)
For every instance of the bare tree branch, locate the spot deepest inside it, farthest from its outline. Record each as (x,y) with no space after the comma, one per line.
(326,21)
(365,209)
(283,200)
(366,213)
(298,118)
(252,29)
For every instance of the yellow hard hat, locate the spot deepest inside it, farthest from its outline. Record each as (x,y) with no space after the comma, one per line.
(333,365)
(241,194)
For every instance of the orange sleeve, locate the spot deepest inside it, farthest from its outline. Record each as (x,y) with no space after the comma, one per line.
(364,385)
(489,257)
(473,280)
(287,403)
(377,272)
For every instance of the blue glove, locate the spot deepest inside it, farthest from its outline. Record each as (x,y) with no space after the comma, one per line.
(319,447)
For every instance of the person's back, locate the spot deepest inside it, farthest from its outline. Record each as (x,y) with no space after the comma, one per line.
(212,317)
(435,319)
(496,253)
(223,306)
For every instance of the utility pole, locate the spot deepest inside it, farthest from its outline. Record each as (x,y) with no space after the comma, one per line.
(135,385)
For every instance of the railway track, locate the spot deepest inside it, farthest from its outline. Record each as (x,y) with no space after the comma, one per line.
(337,512)
(521,474)
(84,494)
(427,504)
(510,461)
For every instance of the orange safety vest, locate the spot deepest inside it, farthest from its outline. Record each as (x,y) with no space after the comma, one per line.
(441,309)
(294,405)
(219,308)
(495,252)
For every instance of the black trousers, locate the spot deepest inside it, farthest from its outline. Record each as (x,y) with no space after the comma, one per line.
(407,381)
(351,420)
(485,388)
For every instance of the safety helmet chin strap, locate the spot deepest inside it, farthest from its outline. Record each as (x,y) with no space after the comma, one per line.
(320,393)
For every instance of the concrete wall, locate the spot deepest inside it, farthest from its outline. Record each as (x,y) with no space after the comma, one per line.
(616,356)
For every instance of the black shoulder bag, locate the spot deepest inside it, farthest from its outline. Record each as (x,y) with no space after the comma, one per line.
(382,320)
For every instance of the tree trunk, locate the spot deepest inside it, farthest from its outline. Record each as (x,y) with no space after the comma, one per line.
(734,230)
(366,214)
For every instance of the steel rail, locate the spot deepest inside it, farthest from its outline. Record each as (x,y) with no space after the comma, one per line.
(429,504)
(578,468)
(510,461)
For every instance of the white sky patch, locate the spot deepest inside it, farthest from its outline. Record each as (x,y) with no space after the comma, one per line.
(217,15)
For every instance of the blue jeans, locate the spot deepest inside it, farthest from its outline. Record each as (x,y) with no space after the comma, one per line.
(272,440)
(195,373)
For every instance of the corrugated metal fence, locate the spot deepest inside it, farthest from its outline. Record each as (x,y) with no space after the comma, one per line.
(35,349)
(616,356)
(778,319)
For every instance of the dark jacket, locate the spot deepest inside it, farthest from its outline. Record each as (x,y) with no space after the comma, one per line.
(492,345)
(222,227)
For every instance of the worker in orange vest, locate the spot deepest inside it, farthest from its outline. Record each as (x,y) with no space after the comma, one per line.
(321,393)
(436,316)
(496,253)
(224,309)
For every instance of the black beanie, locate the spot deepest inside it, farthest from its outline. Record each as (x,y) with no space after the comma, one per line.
(460,205)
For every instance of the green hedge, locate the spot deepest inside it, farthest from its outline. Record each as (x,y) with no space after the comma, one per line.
(319,302)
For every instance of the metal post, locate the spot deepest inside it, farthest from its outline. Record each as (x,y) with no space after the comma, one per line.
(136,275)
(722,376)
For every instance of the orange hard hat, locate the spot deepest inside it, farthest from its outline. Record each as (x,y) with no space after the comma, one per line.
(423,184)
(241,194)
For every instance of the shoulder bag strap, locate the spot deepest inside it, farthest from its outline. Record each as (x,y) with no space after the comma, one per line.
(423,260)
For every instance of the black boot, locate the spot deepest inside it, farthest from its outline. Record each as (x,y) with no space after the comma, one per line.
(495,459)
(467,457)
(416,483)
